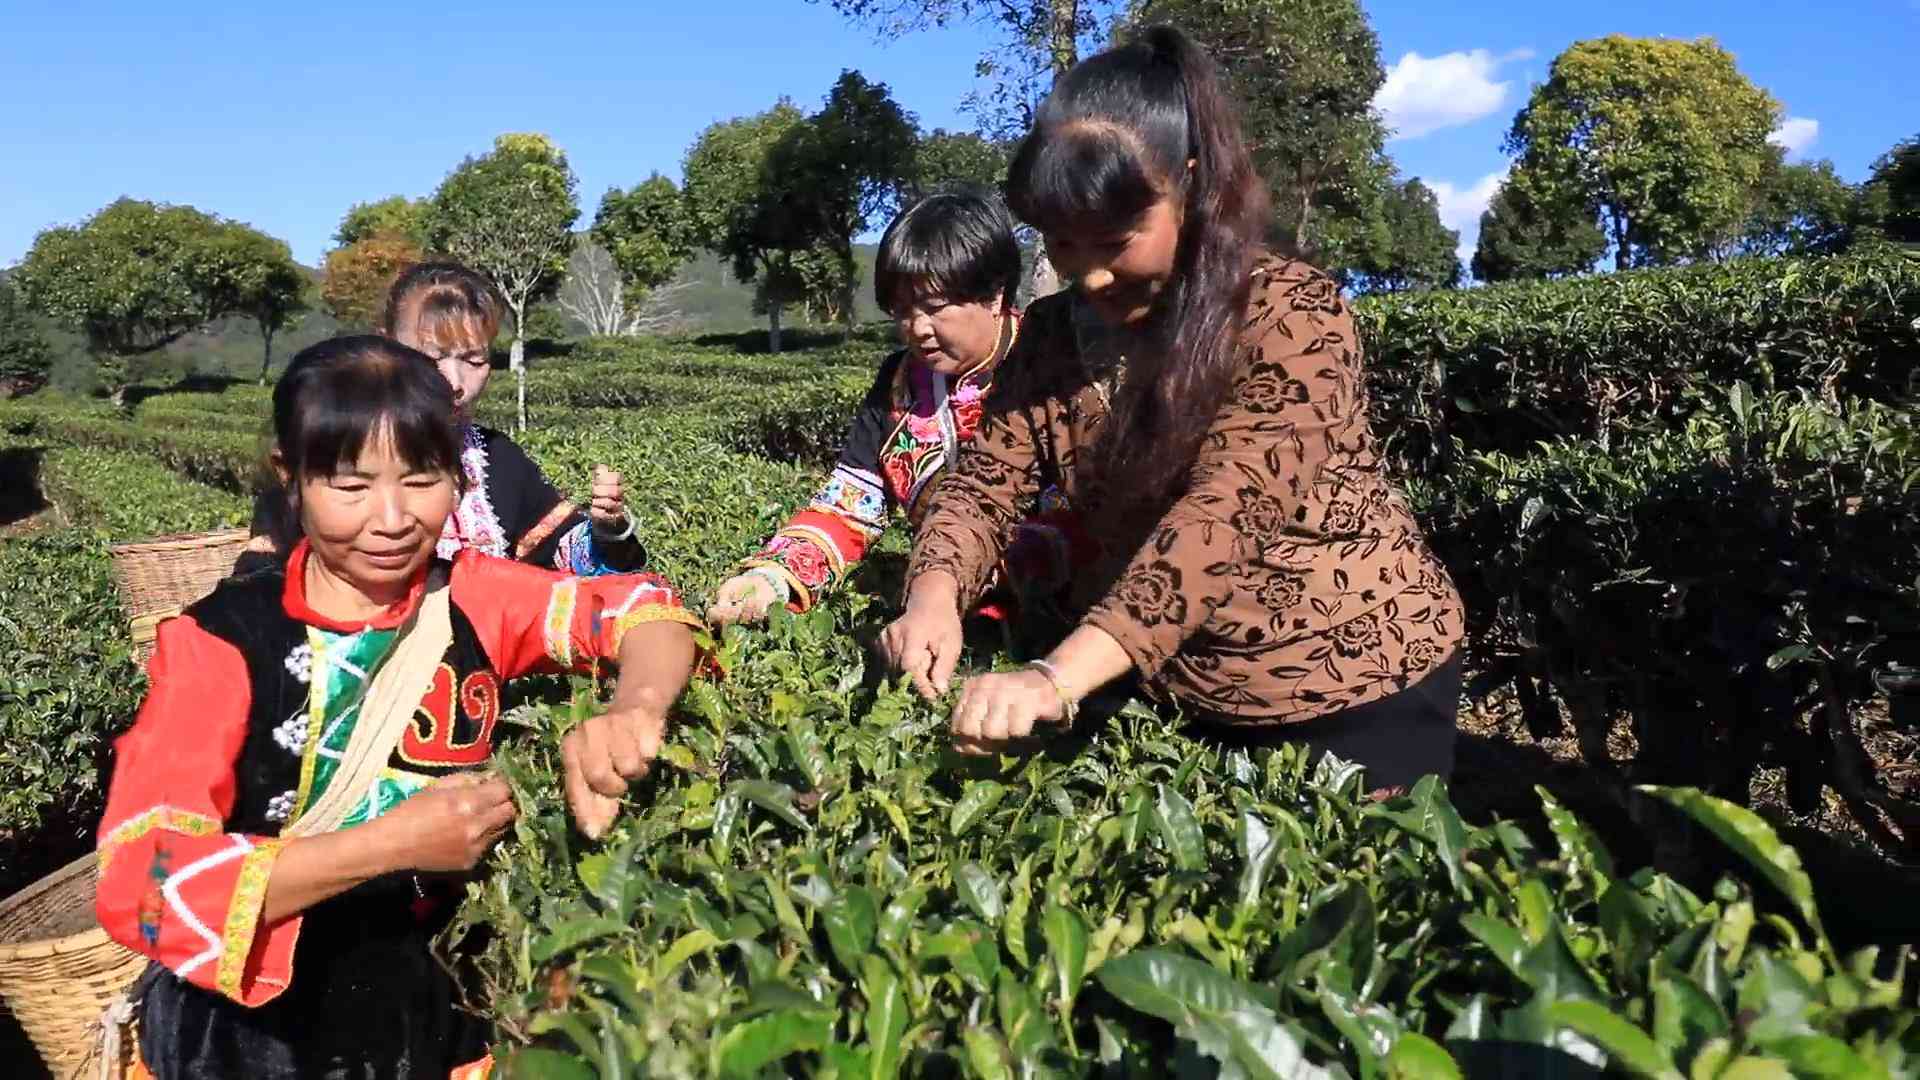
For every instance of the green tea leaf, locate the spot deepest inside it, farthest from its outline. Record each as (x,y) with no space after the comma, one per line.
(1754,840)
(536,1063)
(980,797)
(1416,1057)
(1626,1044)
(572,934)
(774,798)
(750,1046)
(851,919)
(1066,935)
(979,890)
(1180,830)
(886,1018)
(1222,1016)
(686,948)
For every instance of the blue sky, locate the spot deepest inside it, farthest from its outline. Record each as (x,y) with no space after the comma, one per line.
(283,116)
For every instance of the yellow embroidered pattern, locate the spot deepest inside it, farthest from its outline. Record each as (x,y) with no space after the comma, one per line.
(243,916)
(560,621)
(647,613)
(168,818)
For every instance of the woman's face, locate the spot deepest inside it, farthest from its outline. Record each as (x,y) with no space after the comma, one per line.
(949,336)
(464,361)
(1120,270)
(375,524)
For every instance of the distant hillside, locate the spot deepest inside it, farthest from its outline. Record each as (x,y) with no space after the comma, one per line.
(710,302)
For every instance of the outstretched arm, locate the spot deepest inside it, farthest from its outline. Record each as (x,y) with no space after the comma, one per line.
(605,754)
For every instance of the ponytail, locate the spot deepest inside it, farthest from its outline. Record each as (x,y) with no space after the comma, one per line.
(1124,129)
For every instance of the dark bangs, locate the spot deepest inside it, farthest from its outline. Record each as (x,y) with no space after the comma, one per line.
(339,396)
(956,244)
(1084,178)
(1111,139)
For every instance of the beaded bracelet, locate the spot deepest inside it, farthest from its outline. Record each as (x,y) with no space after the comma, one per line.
(1069,703)
(782,588)
(625,534)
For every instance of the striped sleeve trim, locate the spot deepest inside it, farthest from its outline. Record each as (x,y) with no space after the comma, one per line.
(243,916)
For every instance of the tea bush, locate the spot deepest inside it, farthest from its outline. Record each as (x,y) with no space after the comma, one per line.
(814,884)
(1609,357)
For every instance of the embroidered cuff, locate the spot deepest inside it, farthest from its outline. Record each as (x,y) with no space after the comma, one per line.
(243,917)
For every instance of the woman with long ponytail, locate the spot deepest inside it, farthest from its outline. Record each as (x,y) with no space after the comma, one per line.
(1200,401)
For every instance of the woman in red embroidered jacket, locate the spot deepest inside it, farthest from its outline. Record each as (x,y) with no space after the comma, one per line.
(290,950)
(947,269)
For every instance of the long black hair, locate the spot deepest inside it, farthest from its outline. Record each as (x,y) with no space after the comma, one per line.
(337,396)
(1114,137)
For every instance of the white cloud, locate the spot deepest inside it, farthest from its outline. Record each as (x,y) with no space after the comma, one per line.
(1461,207)
(1796,135)
(1424,94)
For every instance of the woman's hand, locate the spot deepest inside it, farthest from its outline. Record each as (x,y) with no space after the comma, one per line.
(450,826)
(743,598)
(608,506)
(925,642)
(602,756)
(1000,707)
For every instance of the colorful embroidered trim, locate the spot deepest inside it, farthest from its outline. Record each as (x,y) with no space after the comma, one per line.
(473,524)
(243,916)
(316,719)
(648,613)
(542,529)
(166,818)
(560,603)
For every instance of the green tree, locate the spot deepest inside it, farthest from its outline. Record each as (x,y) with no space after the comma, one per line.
(734,205)
(509,214)
(1521,241)
(1799,209)
(1305,73)
(24,355)
(256,277)
(1662,140)
(840,173)
(132,279)
(1409,248)
(647,232)
(395,215)
(1890,199)
(959,159)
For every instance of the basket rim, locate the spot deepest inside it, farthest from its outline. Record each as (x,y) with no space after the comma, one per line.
(178,540)
(34,948)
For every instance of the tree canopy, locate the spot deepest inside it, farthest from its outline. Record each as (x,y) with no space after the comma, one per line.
(24,354)
(1890,199)
(959,159)
(647,233)
(395,215)
(1663,141)
(733,204)
(356,278)
(1797,209)
(1521,241)
(138,275)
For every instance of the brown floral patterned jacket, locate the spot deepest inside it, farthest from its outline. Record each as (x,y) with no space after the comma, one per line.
(1288,581)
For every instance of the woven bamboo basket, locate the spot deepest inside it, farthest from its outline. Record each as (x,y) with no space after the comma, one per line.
(161,576)
(57,980)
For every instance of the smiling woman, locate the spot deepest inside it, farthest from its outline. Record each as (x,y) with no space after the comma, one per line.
(293,814)
(1201,405)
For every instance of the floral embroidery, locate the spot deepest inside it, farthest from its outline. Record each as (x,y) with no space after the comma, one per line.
(300,662)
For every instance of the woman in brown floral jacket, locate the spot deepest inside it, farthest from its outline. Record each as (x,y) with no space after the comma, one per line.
(1202,404)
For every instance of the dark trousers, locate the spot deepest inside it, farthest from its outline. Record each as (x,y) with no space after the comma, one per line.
(1398,739)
